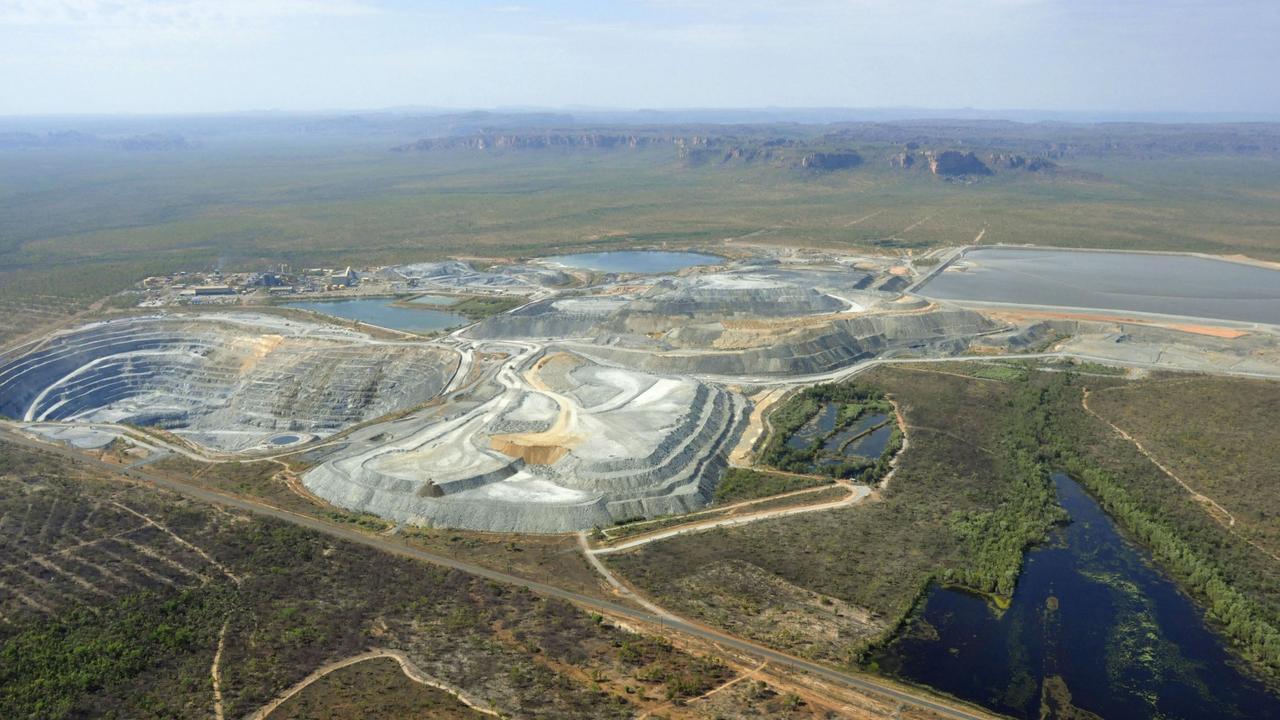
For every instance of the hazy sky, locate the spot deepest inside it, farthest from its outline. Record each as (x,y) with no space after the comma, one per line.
(154,56)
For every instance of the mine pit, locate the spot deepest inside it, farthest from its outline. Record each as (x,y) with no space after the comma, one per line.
(224,382)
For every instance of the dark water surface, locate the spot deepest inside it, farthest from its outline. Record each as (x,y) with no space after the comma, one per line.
(873,444)
(1090,613)
(817,426)
(380,311)
(636,261)
(837,441)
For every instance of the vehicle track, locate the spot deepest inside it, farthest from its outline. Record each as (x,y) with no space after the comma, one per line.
(407,666)
(402,548)
(1220,514)
(857,493)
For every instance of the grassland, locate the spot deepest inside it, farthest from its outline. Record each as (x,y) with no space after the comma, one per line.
(970,495)
(1224,566)
(117,598)
(828,585)
(1220,435)
(81,224)
(740,484)
(376,690)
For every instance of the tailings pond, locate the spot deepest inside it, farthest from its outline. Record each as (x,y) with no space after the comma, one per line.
(382,312)
(1091,622)
(1133,282)
(635,261)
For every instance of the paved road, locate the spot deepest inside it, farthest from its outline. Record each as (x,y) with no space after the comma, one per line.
(403,549)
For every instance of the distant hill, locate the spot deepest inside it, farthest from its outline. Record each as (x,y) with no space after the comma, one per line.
(150,142)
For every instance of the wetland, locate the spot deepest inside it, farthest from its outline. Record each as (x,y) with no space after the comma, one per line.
(1092,629)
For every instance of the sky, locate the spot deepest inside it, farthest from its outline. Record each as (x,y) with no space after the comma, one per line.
(198,56)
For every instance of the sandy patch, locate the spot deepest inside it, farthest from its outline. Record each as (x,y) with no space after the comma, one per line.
(1210,330)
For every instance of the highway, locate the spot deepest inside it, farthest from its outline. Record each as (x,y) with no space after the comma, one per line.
(403,549)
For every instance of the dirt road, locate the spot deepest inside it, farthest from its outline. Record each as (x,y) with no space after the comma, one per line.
(411,671)
(857,493)
(402,548)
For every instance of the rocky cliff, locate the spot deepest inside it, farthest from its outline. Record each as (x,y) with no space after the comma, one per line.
(842,160)
(953,163)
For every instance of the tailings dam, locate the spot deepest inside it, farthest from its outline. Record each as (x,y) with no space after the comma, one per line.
(1179,285)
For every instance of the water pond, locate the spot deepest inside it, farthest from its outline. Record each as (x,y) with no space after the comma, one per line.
(872,444)
(1092,625)
(819,425)
(635,261)
(1136,282)
(381,311)
(837,441)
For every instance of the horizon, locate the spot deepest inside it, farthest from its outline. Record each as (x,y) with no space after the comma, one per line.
(213,57)
(795,114)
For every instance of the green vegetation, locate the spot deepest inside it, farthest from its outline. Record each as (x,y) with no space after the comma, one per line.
(100,220)
(1220,435)
(996,538)
(479,307)
(375,689)
(1000,371)
(1239,583)
(972,493)
(1092,368)
(850,402)
(130,624)
(47,670)
(745,484)
(962,474)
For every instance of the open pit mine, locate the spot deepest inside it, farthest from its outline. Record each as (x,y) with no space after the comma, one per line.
(601,397)
(227,382)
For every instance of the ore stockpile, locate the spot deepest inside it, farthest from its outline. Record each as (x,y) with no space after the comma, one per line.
(624,398)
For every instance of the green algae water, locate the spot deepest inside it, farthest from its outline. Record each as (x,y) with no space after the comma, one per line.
(1093,630)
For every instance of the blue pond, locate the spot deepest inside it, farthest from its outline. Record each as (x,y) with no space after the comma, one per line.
(380,311)
(635,261)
